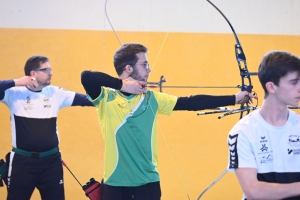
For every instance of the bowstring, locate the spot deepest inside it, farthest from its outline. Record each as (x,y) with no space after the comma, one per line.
(212,184)
(105,12)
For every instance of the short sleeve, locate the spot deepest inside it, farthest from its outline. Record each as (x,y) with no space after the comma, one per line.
(240,149)
(166,102)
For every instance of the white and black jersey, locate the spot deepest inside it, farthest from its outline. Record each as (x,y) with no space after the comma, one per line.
(273,151)
(33,115)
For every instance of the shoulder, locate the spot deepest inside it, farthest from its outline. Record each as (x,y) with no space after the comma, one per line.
(294,120)
(107,93)
(56,89)
(17,90)
(294,116)
(161,95)
(244,125)
(58,92)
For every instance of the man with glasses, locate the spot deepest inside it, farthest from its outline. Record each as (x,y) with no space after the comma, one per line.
(127,114)
(35,160)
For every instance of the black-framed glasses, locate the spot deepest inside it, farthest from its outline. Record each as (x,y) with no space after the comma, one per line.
(146,65)
(46,70)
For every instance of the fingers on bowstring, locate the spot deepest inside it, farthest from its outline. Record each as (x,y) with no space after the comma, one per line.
(34,83)
(143,85)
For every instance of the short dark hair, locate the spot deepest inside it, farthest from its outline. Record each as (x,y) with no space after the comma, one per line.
(33,63)
(275,65)
(126,55)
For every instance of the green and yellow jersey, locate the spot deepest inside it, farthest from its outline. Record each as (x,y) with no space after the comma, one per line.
(128,125)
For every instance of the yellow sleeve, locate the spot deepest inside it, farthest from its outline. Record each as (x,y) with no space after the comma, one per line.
(166,102)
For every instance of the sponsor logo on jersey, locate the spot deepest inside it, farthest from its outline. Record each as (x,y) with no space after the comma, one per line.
(263,139)
(264,148)
(294,151)
(121,106)
(46,99)
(27,104)
(144,107)
(294,141)
(266,159)
(47,102)
(265,153)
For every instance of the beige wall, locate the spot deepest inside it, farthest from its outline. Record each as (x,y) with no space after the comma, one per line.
(198,144)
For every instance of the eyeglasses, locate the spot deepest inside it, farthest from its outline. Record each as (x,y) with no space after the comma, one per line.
(46,70)
(146,65)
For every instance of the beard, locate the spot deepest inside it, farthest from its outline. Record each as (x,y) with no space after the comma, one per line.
(135,75)
(44,83)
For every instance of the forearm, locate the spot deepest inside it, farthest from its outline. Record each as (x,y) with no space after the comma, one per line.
(4,85)
(92,82)
(255,189)
(271,191)
(200,102)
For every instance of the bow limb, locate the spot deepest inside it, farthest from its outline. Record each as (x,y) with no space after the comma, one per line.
(241,60)
(245,76)
(105,11)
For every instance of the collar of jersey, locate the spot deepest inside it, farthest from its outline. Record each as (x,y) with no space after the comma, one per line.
(34,90)
(126,95)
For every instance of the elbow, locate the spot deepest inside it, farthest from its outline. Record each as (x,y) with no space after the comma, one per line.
(84,73)
(250,197)
(252,194)
(84,76)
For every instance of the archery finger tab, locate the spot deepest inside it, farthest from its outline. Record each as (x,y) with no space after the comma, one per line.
(143,85)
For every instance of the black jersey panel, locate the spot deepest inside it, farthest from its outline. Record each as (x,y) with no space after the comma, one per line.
(275,177)
(34,134)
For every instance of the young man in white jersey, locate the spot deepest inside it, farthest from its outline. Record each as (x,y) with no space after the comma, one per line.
(127,114)
(35,160)
(264,146)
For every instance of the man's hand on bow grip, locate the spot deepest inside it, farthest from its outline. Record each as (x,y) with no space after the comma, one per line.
(244,97)
(133,86)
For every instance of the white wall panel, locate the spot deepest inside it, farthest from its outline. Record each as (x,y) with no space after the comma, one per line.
(246,16)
